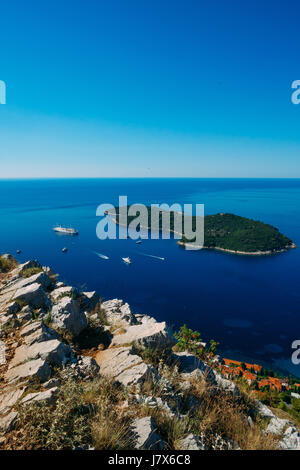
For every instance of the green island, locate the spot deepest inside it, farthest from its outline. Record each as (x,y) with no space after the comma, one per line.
(225,232)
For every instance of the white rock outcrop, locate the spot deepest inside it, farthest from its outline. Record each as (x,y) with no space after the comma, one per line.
(53,351)
(144,434)
(62,291)
(7,422)
(67,315)
(290,439)
(33,295)
(48,396)
(38,368)
(118,313)
(123,365)
(9,398)
(191,442)
(152,335)
(37,332)
(277,425)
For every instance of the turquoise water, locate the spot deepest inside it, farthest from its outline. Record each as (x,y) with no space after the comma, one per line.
(249,304)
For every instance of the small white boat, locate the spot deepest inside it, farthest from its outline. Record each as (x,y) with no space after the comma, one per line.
(127,260)
(65,230)
(64,250)
(138,242)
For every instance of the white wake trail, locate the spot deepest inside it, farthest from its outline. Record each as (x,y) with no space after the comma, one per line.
(152,256)
(101,255)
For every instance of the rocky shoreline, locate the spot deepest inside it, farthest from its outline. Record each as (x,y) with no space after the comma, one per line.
(235,252)
(52,332)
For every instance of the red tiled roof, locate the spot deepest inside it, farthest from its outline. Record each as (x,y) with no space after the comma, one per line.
(231,361)
(263,383)
(255,367)
(249,376)
(272,382)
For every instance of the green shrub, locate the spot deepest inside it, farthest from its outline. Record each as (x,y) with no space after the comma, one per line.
(30,272)
(189,340)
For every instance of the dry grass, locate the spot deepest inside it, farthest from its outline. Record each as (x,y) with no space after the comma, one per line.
(7,265)
(85,415)
(222,414)
(171,429)
(110,431)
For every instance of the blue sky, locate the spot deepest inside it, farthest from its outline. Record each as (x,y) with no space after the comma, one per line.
(149,88)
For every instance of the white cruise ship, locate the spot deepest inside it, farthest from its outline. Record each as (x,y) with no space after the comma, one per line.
(65,230)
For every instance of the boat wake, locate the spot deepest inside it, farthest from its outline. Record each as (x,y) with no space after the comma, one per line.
(152,256)
(101,255)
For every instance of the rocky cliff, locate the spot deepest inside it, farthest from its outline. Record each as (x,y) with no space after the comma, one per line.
(80,373)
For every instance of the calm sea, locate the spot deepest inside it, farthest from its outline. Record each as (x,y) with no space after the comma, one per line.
(251,305)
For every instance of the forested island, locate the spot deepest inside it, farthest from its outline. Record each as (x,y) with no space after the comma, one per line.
(225,232)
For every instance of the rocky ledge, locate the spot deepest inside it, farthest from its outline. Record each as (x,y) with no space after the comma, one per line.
(51,332)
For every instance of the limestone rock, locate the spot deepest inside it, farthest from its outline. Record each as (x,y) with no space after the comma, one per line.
(51,383)
(291,439)
(6,318)
(33,263)
(25,314)
(155,402)
(9,399)
(52,351)
(123,365)
(226,385)
(118,313)
(48,396)
(223,444)
(67,315)
(88,366)
(12,308)
(62,291)
(191,442)
(37,332)
(39,278)
(190,366)
(263,410)
(144,318)
(7,422)
(155,335)
(38,368)
(277,425)
(90,300)
(144,434)
(33,294)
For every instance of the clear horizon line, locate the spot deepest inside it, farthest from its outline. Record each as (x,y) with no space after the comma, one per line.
(21,178)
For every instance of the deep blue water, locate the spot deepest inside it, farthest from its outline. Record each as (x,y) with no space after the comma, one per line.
(249,304)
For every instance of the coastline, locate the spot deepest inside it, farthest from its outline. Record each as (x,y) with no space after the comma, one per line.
(217,248)
(236,252)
